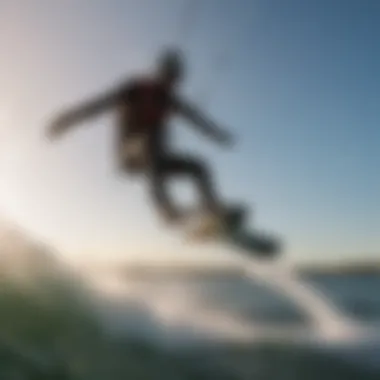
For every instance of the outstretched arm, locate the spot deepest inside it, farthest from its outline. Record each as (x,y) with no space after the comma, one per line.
(203,124)
(94,107)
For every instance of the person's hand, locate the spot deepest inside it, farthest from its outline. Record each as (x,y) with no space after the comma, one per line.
(57,127)
(226,139)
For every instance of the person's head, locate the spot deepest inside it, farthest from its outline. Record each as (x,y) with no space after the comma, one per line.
(170,66)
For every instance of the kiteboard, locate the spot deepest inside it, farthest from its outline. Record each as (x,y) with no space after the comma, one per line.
(252,242)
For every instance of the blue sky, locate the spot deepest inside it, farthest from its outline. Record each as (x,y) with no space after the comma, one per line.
(299,89)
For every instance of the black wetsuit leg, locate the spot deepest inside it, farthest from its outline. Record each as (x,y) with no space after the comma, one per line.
(167,165)
(162,165)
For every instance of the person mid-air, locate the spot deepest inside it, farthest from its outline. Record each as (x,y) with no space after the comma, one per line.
(143,106)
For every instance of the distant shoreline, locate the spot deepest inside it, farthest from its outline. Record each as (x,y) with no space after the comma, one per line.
(342,269)
(198,271)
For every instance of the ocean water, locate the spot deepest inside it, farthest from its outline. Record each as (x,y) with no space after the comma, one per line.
(235,295)
(212,320)
(61,323)
(355,294)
